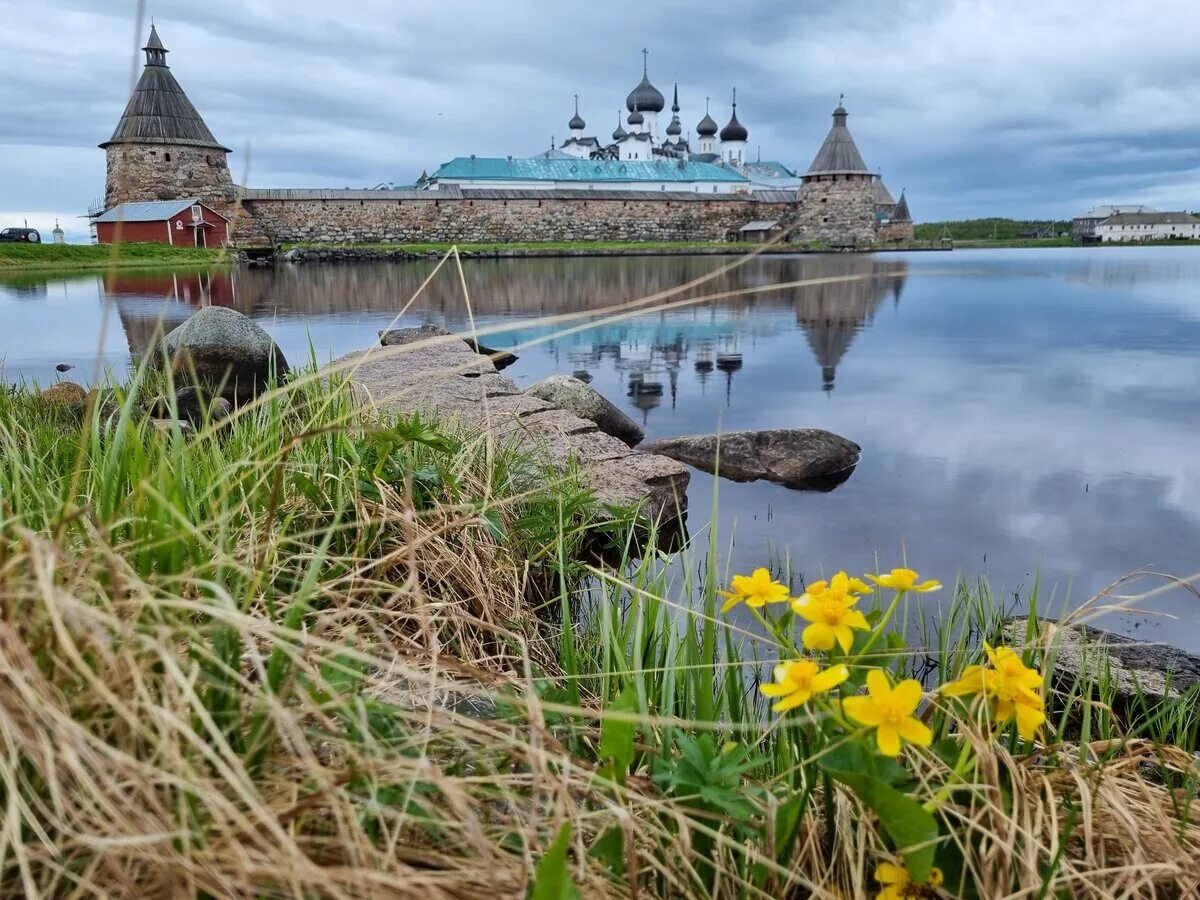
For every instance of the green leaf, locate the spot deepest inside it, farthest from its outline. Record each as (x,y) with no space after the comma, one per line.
(854,758)
(551,878)
(907,823)
(787,819)
(616,735)
(610,850)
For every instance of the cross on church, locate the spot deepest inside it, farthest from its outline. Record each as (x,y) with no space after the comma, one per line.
(645,61)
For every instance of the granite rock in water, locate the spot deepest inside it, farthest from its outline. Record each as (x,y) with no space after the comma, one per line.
(500,359)
(1135,670)
(586,402)
(221,347)
(804,458)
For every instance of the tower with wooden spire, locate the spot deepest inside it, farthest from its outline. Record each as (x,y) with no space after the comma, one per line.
(161,149)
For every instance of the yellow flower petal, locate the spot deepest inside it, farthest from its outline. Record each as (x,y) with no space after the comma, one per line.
(862,710)
(857,586)
(774,690)
(845,637)
(830,678)
(1029,721)
(796,699)
(890,873)
(878,685)
(907,695)
(915,732)
(856,619)
(818,636)
(888,739)
(971,682)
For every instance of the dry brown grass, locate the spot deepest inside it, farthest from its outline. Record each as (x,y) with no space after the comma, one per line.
(118,781)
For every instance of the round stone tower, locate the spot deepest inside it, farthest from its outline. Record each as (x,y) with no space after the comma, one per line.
(836,202)
(161,148)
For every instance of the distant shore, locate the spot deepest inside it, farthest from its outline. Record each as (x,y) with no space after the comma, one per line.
(84,257)
(389,252)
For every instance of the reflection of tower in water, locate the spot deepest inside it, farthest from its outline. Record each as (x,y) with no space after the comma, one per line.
(704,363)
(831,314)
(729,360)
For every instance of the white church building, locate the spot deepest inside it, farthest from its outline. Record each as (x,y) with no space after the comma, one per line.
(642,154)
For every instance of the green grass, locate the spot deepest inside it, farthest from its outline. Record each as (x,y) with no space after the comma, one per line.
(18,257)
(985,229)
(373,654)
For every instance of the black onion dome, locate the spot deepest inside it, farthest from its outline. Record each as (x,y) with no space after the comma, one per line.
(674,129)
(735,130)
(620,133)
(636,118)
(645,97)
(576,123)
(707,127)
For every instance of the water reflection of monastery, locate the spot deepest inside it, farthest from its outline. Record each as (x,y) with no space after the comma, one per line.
(652,351)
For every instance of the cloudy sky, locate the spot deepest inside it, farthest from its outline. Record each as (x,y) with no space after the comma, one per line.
(1023,107)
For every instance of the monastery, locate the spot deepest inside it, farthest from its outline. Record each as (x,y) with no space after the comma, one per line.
(645,184)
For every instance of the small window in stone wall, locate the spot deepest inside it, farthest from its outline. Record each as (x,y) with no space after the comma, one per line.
(167,157)
(208,159)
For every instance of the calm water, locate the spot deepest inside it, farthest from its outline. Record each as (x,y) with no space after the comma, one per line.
(1023,414)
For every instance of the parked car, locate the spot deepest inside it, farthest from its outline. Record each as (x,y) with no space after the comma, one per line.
(25,235)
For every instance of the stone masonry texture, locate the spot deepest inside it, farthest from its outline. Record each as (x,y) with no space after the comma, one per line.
(140,172)
(501,221)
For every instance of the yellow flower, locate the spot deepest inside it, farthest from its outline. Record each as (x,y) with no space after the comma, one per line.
(1014,687)
(972,681)
(755,590)
(840,585)
(833,618)
(801,679)
(898,884)
(889,710)
(905,580)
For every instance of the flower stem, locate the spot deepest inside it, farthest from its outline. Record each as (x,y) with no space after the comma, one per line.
(883,623)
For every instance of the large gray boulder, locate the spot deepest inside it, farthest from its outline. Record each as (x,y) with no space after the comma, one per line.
(586,402)
(221,347)
(805,458)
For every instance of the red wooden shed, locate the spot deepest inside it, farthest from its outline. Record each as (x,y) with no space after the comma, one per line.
(187,223)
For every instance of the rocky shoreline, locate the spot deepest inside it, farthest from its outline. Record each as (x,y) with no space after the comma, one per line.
(331,254)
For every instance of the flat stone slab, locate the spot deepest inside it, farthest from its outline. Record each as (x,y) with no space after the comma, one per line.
(433,372)
(586,402)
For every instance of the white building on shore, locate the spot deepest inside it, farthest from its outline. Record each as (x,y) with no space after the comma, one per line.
(1148,226)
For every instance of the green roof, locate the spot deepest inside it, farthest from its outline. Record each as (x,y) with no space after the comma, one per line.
(599,170)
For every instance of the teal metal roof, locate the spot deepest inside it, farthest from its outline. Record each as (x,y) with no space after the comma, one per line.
(599,170)
(770,169)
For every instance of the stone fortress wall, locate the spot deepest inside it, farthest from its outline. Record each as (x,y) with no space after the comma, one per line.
(483,217)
